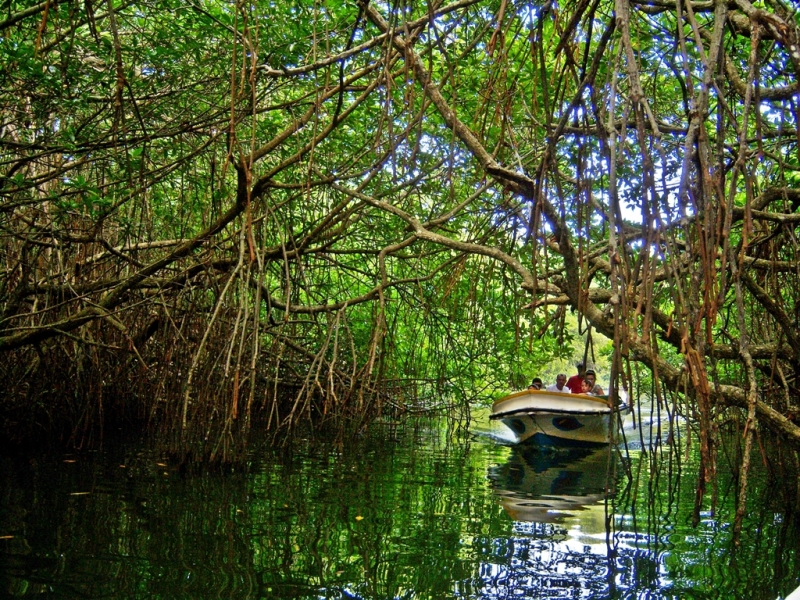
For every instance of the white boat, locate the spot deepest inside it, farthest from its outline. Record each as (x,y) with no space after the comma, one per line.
(795,595)
(551,418)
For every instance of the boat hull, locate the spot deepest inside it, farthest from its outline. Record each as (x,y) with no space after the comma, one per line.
(549,418)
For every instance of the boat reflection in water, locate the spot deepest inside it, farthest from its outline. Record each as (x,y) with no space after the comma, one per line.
(558,545)
(547,485)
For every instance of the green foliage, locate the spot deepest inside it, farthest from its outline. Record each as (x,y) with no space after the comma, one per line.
(370,215)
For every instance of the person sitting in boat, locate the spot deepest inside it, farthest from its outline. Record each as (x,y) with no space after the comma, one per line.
(590,386)
(560,385)
(536,384)
(575,382)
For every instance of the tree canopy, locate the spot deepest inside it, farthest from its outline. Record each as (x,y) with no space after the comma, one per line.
(374,205)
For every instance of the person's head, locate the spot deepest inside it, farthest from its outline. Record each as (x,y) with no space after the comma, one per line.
(585,387)
(590,377)
(561,380)
(581,368)
(536,384)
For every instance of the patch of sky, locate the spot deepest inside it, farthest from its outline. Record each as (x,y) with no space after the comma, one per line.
(530,13)
(779,116)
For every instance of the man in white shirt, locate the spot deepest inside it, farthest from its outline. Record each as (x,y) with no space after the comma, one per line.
(560,385)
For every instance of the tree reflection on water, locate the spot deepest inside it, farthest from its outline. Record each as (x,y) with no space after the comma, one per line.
(408,512)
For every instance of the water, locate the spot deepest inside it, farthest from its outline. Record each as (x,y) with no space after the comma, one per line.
(416,511)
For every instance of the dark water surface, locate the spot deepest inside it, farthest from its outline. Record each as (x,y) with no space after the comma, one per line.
(416,511)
